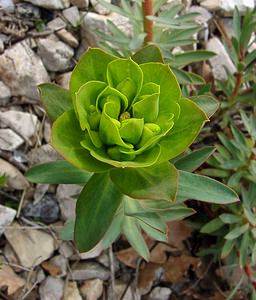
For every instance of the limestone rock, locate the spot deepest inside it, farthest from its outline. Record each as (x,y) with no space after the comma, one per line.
(221,60)
(93,21)
(32,246)
(64,79)
(66,202)
(72,15)
(80,3)
(160,293)
(7,215)
(92,289)
(51,4)
(56,24)
(5,93)
(42,154)
(9,140)
(7,5)
(72,292)
(68,38)
(89,270)
(242,5)
(16,179)
(228,5)
(22,70)
(25,124)
(100,9)
(55,54)
(51,289)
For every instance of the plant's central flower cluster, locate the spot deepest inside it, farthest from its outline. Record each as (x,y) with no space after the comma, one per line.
(124,114)
(123,117)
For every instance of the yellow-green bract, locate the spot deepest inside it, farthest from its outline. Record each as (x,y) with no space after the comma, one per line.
(124,114)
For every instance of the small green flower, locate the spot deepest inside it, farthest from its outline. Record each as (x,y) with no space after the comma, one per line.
(124,114)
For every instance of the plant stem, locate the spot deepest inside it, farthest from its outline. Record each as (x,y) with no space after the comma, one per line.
(239,79)
(147,6)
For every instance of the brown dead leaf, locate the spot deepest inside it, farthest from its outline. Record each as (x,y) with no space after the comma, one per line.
(10,279)
(159,253)
(52,269)
(179,231)
(177,267)
(224,296)
(128,257)
(148,275)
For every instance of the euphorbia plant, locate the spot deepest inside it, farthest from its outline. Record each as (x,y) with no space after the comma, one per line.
(124,120)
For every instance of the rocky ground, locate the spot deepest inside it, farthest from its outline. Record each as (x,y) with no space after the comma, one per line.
(40,41)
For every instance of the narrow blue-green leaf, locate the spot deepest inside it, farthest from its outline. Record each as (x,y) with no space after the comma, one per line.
(227,248)
(237,231)
(56,100)
(57,172)
(95,210)
(113,231)
(243,251)
(212,226)
(207,103)
(194,159)
(134,236)
(189,57)
(230,218)
(202,188)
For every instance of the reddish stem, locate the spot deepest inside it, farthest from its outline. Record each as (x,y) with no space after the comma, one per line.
(239,79)
(147,6)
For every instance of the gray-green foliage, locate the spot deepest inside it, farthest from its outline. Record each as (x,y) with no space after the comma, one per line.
(234,160)
(243,55)
(235,230)
(172,29)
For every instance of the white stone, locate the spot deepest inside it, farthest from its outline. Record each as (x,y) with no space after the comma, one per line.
(211,5)
(242,5)
(26,124)
(42,154)
(7,215)
(56,24)
(7,5)
(121,287)
(160,293)
(102,10)
(22,70)
(51,4)
(72,15)
(64,79)
(72,292)
(80,3)
(9,140)
(60,262)
(32,246)
(92,289)
(68,38)
(92,22)
(66,202)
(47,131)
(55,55)
(221,60)
(15,179)
(5,93)
(51,289)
